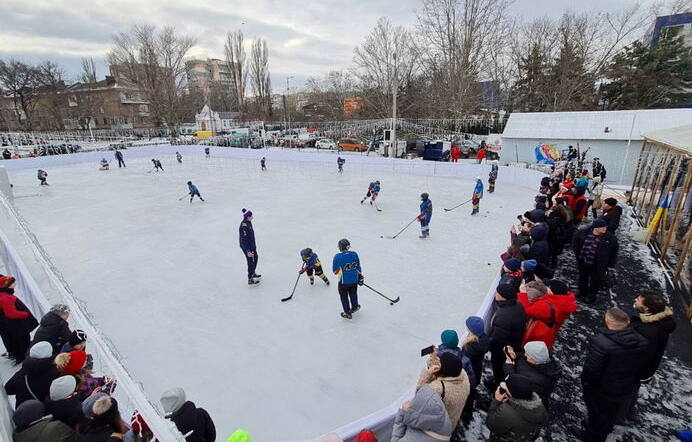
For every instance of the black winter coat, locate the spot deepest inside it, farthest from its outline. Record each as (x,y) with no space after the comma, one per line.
(606,254)
(247,237)
(543,377)
(612,217)
(614,362)
(655,328)
(68,411)
(90,431)
(539,250)
(558,233)
(190,418)
(507,324)
(476,351)
(53,329)
(39,374)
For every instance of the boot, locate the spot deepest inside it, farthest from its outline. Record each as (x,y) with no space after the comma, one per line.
(355,309)
(312,281)
(346,315)
(252,282)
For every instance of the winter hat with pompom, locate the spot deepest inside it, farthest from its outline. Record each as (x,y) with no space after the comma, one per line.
(247,213)
(72,362)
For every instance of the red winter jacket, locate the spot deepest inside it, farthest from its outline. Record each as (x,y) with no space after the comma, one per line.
(542,322)
(8,303)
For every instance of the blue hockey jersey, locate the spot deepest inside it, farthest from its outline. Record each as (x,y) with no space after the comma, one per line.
(347,265)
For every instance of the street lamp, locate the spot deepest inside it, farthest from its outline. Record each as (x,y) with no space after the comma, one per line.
(395,87)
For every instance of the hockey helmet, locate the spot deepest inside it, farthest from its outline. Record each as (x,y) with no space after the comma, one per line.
(424,196)
(305,253)
(377,182)
(344,244)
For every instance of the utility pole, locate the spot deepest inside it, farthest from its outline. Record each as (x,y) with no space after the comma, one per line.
(395,87)
(288,108)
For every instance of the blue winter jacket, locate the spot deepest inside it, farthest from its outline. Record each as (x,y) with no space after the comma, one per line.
(348,264)
(247,237)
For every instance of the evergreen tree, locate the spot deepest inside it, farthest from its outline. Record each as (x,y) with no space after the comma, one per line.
(571,84)
(533,82)
(645,78)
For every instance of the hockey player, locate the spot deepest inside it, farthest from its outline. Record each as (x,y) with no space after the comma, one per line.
(119,157)
(373,192)
(206,151)
(104,164)
(263,163)
(340,162)
(492,177)
(425,215)
(477,195)
(42,176)
(311,263)
(157,165)
(179,157)
(193,191)
(346,265)
(249,248)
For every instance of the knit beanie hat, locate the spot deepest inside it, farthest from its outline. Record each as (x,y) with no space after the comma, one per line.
(450,365)
(535,290)
(60,309)
(512,264)
(27,413)
(41,350)
(6,281)
(72,362)
(529,264)
(519,386)
(599,223)
(62,387)
(507,291)
(88,404)
(556,286)
(450,339)
(239,436)
(172,400)
(77,337)
(247,214)
(611,201)
(366,436)
(538,351)
(476,325)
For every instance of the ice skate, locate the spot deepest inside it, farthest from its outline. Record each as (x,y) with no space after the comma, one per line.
(355,309)
(252,282)
(312,281)
(346,315)
(256,276)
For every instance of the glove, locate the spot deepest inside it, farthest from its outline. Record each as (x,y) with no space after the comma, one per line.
(361,280)
(301,271)
(419,217)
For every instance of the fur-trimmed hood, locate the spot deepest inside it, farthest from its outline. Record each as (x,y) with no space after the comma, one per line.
(649,317)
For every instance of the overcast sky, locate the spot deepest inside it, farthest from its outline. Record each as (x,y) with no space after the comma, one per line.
(305,38)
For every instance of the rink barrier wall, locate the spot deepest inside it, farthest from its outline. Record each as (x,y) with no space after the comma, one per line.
(380,421)
(107,361)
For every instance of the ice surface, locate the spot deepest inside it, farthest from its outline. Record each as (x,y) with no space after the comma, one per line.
(166,280)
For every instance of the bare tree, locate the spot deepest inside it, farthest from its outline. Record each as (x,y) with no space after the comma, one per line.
(237,63)
(154,61)
(20,81)
(88,100)
(259,76)
(386,61)
(330,91)
(51,81)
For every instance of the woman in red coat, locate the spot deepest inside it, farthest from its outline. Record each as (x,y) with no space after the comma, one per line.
(545,311)
(16,322)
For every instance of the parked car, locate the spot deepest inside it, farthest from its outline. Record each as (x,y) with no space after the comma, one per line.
(325,143)
(351,144)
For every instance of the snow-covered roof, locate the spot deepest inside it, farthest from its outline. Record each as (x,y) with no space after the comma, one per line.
(679,138)
(622,125)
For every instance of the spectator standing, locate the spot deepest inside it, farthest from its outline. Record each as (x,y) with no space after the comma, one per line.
(539,249)
(16,322)
(614,364)
(559,231)
(545,312)
(475,346)
(63,402)
(596,250)
(249,248)
(446,376)
(103,422)
(422,419)
(537,366)
(33,425)
(611,214)
(595,193)
(54,327)
(506,327)
(516,413)
(187,417)
(450,344)
(33,380)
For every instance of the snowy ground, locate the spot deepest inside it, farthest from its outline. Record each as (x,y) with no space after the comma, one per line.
(165,280)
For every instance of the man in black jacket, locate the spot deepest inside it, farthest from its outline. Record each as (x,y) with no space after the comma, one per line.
(506,327)
(54,327)
(611,214)
(614,363)
(33,380)
(187,417)
(537,366)
(249,248)
(539,249)
(596,250)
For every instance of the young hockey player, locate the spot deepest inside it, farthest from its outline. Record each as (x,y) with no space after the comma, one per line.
(425,215)
(311,263)
(157,165)
(373,192)
(193,191)
(42,176)
(263,163)
(104,164)
(492,177)
(346,265)
(249,248)
(477,195)
(206,151)
(179,157)
(340,162)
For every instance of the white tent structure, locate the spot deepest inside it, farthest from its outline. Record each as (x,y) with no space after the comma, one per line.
(613,136)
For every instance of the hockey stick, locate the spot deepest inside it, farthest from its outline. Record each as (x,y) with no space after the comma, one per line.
(150,171)
(294,289)
(391,301)
(457,206)
(181,198)
(400,231)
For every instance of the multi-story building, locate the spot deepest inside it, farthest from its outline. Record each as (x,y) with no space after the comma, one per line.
(201,74)
(673,26)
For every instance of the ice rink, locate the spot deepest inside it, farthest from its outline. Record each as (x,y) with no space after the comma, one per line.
(166,280)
